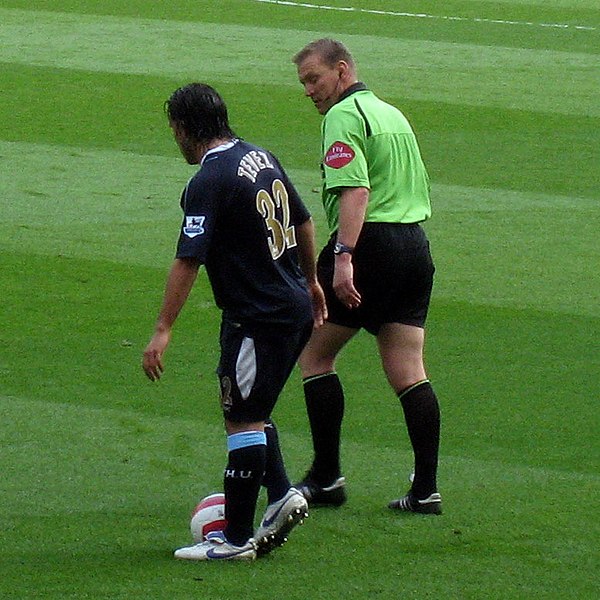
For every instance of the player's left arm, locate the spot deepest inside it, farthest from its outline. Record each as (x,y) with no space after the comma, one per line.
(353,206)
(179,283)
(305,236)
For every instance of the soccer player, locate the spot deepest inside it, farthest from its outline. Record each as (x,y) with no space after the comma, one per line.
(244,221)
(376,270)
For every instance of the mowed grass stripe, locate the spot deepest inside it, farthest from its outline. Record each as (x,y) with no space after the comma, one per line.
(157,460)
(132,218)
(120,444)
(541,80)
(503,374)
(367,9)
(116,446)
(343,23)
(522,150)
(101,204)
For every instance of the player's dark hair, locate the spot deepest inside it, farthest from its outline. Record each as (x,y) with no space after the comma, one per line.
(331,51)
(201,111)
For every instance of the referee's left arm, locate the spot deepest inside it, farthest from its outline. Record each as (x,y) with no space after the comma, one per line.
(353,206)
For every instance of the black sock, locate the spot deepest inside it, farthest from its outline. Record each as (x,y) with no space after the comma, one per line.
(422,415)
(325,406)
(275,479)
(242,478)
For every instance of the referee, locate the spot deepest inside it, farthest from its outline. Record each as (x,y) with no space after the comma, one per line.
(243,220)
(376,270)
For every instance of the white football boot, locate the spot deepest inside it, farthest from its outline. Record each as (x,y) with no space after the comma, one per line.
(279,519)
(216,547)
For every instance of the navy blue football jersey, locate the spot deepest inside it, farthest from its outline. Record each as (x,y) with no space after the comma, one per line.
(240,217)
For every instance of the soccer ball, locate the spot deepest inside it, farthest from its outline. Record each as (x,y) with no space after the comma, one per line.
(209,515)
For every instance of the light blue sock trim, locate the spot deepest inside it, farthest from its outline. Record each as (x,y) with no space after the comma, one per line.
(243,439)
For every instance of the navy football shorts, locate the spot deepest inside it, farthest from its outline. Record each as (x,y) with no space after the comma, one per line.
(254,366)
(393,271)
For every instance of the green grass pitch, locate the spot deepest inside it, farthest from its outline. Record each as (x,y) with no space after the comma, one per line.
(100,468)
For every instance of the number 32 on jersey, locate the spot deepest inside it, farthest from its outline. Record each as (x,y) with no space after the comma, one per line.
(281,234)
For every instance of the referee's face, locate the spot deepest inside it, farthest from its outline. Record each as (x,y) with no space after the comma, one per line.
(322,83)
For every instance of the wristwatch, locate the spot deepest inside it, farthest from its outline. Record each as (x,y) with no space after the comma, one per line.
(341,248)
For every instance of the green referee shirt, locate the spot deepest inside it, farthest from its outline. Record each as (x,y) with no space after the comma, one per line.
(369,143)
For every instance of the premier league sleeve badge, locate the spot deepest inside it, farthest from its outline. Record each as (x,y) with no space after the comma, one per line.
(193,226)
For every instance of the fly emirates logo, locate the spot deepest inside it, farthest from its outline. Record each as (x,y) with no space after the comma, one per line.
(338,155)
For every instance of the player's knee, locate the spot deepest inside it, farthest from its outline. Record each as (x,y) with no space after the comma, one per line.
(402,374)
(313,364)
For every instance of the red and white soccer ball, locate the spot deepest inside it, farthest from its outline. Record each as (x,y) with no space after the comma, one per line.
(209,515)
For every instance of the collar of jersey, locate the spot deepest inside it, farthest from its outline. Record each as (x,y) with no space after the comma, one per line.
(359,86)
(220,148)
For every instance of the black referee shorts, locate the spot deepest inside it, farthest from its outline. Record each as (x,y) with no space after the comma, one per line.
(393,271)
(255,364)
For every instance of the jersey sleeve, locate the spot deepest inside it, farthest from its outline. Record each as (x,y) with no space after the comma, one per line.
(199,219)
(344,160)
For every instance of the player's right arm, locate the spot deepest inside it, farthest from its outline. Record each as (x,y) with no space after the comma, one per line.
(179,283)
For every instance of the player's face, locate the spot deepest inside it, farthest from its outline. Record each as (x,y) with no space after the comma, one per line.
(321,82)
(186,146)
